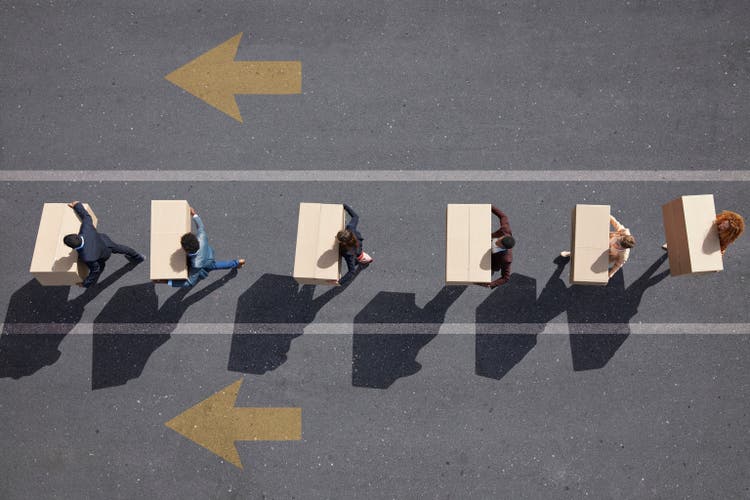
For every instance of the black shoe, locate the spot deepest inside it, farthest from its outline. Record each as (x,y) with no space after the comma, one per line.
(561,261)
(135,260)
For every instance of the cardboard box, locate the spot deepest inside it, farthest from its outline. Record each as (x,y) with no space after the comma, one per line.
(317,260)
(692,237)
(589,246)
(54,263)
(468,253)
(170,219)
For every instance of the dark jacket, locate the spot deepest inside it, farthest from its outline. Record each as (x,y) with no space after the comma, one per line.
(350,255)
(95,250)
(501,261)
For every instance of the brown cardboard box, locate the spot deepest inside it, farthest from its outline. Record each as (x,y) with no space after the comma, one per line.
(468,250)
(589,245)
(54,263)
(317,260)
(692,236)
(170,219)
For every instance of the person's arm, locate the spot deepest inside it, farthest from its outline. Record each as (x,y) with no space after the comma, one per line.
(80,210)
(201,235)
(615,224)
(354,218)
(504,223)
(95,269)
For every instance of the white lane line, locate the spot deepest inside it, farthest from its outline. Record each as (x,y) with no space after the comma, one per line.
(375,175)
(376,328)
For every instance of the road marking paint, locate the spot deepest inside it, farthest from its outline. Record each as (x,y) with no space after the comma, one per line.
(215,77)
(216,423)
(374,176)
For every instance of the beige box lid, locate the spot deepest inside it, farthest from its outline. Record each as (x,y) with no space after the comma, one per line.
(170,219)
(54,263)
(590,245)
(468,243)
(692,237)
(316,258)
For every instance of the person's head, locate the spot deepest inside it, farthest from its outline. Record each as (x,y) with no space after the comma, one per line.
(731,222)
(506,242)
(72,240)
(346,239)
(627,241)
(189,243)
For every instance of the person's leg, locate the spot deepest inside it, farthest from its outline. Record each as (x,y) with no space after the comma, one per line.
(129,253)
(224,264)
(363,258)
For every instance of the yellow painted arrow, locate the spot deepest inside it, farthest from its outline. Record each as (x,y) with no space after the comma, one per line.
(215,77)
(216,424)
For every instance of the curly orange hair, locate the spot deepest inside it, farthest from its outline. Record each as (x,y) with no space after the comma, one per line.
(736,226)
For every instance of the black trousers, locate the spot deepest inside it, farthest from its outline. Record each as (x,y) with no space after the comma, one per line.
(117,248)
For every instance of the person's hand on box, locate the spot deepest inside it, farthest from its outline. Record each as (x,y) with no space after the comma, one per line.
(192,211)
(72,204)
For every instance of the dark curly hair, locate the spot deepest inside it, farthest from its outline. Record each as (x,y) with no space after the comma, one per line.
(190,243)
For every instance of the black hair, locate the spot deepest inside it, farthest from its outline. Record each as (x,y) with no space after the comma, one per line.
(508,241)
(190,243)
(72,240)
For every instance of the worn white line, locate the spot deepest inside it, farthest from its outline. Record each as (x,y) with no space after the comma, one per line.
(375,175)
(375,328)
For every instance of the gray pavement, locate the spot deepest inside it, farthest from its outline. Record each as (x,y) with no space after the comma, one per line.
(407,388)
(598,85)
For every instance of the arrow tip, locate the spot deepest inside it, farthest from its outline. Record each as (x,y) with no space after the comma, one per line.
(204,77)
(206,424)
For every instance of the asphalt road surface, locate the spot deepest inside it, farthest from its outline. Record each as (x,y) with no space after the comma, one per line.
(408,388)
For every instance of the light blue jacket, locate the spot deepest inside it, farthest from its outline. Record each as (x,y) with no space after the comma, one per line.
(198,261)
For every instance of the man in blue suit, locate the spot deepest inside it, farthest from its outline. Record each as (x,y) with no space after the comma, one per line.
(93,247)
(201,256)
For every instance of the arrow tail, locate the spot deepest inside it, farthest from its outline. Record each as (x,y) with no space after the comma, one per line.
(266,77)
(268,424)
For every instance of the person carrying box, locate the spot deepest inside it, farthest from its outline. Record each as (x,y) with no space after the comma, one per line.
(200,256)
(350,247)
(502,253)
(620,243)
(730,226)
(94,248)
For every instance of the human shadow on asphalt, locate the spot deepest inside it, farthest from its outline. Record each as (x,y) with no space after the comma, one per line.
(381,355)
(270,315)
(119,357)
(593,309)
(38,319)
(509,320)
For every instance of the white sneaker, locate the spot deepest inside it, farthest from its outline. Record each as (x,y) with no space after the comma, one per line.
(365,258)
(566,253)
(664,246)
